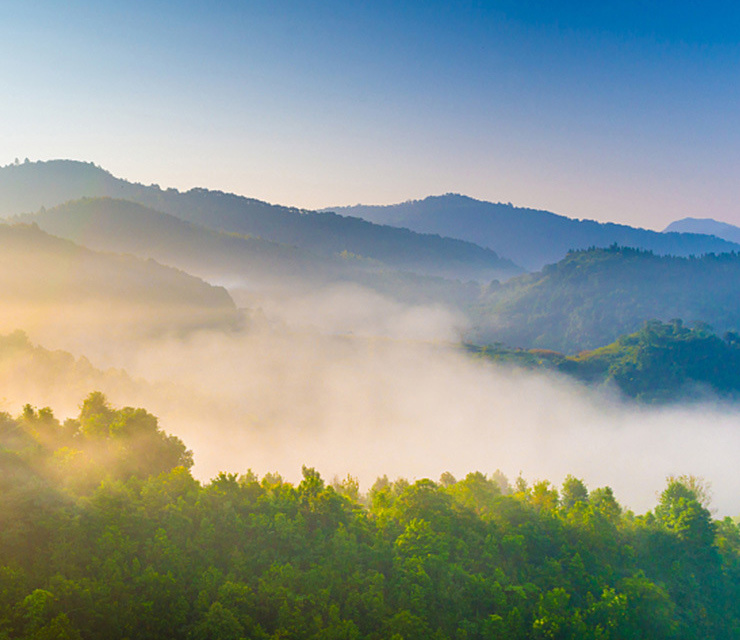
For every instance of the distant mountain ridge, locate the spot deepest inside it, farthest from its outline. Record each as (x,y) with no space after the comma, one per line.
(530,237)
(26,188)
(708,226)
(122,226)
(242,262)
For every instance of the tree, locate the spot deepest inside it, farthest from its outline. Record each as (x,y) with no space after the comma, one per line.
(573,492)
(682,513)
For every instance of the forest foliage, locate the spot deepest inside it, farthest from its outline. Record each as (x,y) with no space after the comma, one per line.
(104,533)
(592,297)
(659,363)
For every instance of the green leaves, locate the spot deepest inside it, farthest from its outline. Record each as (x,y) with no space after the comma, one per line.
(131,554)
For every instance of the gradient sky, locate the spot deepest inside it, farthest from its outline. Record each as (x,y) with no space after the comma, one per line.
(627,113)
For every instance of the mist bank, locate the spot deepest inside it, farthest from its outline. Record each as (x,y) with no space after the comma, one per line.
(342,378)
(273,400)
(383,407)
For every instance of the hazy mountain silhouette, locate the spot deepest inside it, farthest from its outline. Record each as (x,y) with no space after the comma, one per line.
(530,237)
(49,279)
(127,227)
(27,187)
(707,226)
(591,297)
(239,262)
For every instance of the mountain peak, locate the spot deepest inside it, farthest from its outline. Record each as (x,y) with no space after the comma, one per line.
(706,226)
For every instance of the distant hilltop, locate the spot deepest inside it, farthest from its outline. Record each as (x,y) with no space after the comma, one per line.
(530,237)
(451,236)
(707,226)
(27,188)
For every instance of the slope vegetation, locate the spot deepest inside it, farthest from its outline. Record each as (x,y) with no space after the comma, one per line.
(104,533)
(659,363)
(592,297)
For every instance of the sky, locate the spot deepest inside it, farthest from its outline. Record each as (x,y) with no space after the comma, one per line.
(626,113)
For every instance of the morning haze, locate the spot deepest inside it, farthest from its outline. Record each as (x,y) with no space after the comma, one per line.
(492,391)
(308,353)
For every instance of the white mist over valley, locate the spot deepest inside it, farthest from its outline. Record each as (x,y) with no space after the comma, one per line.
(350,382)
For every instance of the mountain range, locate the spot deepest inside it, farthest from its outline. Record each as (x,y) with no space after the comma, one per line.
(451,236)
(178,242)
(251,267)
(530,237)
(26,188)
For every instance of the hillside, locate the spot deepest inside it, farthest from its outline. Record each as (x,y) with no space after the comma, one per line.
(45,280)
(592,297)
(707,226)
(661,362)
(252,265)
(126,227)
(31,373)
(530,237)
(27,187)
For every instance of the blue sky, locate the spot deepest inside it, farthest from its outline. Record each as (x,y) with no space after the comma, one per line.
(625,113)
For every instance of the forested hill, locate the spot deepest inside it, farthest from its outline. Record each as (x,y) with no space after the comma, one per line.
(25,188)
(258,266)
(662,362)
(122,226)
(45,278)
(104,533)
(530,237)
(592,297)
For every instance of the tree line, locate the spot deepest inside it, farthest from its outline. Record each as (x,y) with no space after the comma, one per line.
(661,362)
(104,533)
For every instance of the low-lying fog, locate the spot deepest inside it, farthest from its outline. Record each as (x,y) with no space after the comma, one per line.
(348,382)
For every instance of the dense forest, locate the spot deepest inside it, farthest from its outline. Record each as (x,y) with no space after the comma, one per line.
(660,362)
(105,534)
(593,296)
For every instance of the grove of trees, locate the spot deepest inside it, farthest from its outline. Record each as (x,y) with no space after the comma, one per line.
(104,533)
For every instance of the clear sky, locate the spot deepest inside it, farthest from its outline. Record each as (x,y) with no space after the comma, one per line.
(628,113)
